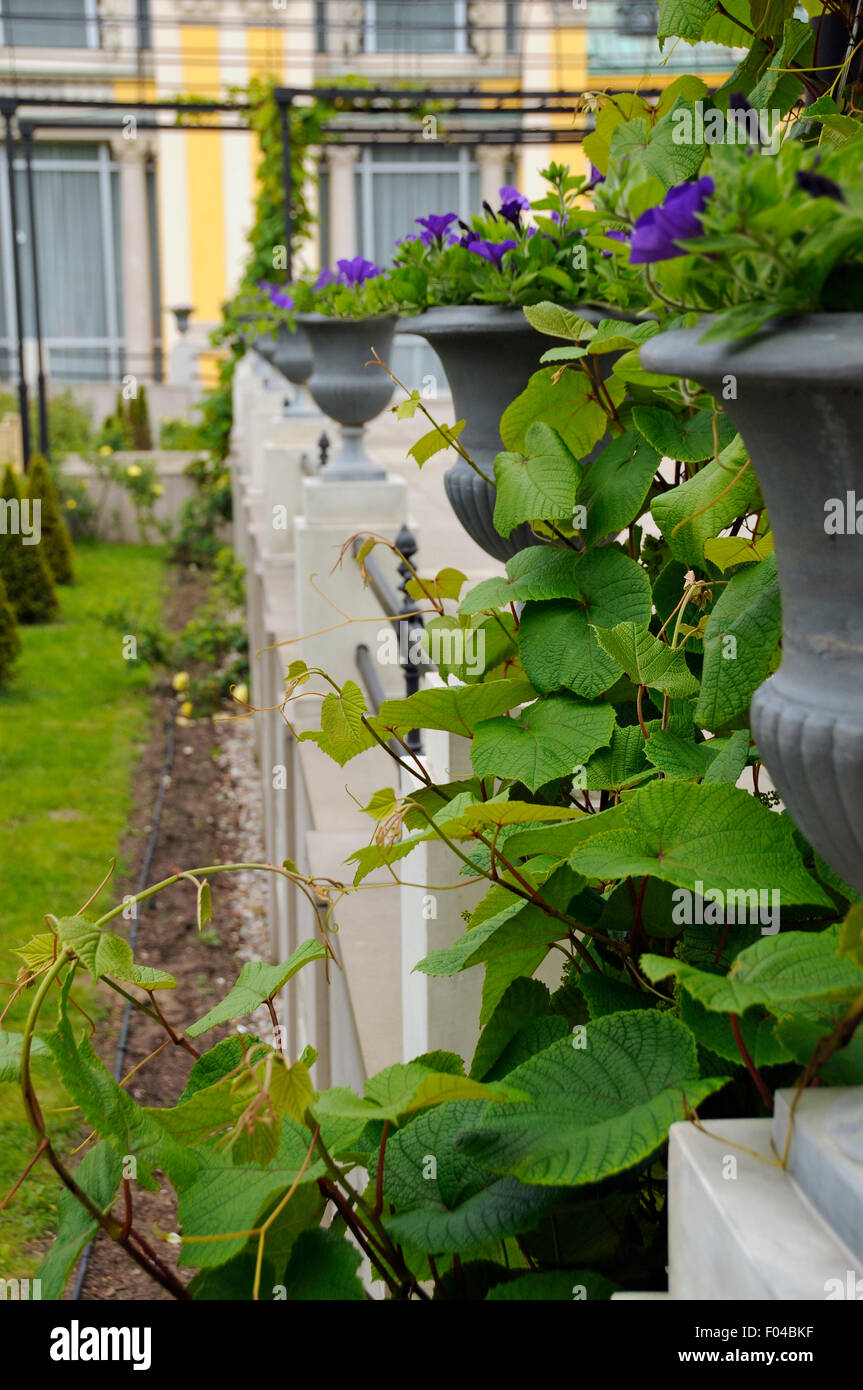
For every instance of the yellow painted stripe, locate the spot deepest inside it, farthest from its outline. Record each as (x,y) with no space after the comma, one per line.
(201,74)
(131,89)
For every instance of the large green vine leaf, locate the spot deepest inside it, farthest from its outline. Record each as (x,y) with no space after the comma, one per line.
(554,1285)
(614,486)
(510,932)
(536,485)
(401,1090)
(323,1267)
(708,834)
(557,643)
(568,406)
(457,709)
(225,1199)
(690,514)
(648,661)
(98,1174)
(597,1109)
(443,1201)
(113,1114)
(547,739)
(740,643)
(779,972)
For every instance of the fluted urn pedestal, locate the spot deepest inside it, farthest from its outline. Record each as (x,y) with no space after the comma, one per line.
(347,389)
(795,394)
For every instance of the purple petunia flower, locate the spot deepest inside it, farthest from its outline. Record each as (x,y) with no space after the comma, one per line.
(436,224)
(276,295)
(657,231)
(325,278)
(508,194)
(357,270)
(616,235)
(493,251)
(595,176)
(469,237)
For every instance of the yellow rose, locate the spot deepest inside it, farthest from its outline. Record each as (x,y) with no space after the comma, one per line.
(133,471)
(158,490)
(105,449)
(241,694)
(71,504)
(187,709)
(181,680)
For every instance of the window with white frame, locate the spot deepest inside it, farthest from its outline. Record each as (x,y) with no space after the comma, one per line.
(395,185)
(415,26)
(77,210)
(49,23)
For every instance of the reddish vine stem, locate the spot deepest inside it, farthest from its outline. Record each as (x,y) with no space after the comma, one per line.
(763,1089)
(379,1180)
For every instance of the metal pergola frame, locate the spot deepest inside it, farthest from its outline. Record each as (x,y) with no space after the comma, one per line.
(401,103)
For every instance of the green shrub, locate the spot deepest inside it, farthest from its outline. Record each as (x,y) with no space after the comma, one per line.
(56,541)
(10,640)
(180,434)
(70,423)
(23,568)
(139,420)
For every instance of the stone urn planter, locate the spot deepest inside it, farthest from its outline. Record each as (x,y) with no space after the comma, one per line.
(346,389)
(264,346)
(292,356)
(489,353)
(798,406)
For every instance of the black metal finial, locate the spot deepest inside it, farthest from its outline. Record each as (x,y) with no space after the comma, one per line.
(323,449)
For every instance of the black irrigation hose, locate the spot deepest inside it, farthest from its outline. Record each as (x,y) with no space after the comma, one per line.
(167,768)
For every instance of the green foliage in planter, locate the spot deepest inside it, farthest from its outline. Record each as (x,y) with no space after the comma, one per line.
(56,541)
(10,640)
(23,567)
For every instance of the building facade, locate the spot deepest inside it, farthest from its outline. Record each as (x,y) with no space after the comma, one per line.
(135,218)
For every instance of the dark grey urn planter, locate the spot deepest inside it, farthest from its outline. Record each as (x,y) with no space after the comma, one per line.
(292,357)
(264,345)
(346,389)
(489,353)
(798,406)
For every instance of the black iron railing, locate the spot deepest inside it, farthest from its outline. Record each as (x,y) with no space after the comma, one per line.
(401,610)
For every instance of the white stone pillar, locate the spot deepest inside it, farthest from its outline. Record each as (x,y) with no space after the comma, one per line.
(342,161)
(131,156)
(326,596)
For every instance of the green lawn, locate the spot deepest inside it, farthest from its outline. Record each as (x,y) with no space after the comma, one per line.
(72,726)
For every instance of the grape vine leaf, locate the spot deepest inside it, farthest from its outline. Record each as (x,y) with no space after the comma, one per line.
(547,739)
(256,983)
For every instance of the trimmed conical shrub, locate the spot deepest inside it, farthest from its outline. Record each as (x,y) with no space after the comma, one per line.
(10,640)
(139,420)
(23,568)
(56,541)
